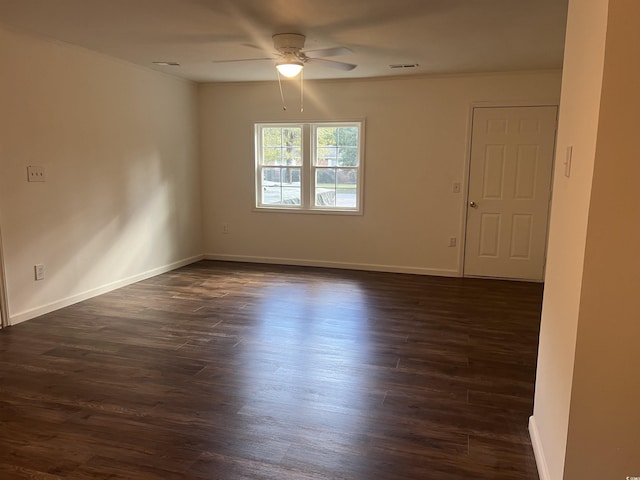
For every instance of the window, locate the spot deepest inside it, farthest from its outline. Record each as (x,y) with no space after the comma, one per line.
(310,167)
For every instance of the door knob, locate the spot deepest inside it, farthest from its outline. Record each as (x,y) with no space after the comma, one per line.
(473,204)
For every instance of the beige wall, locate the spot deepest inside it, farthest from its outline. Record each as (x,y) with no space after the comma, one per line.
(578,126)
(416,147)
(604,423)
(586,422)
(122,199)
(119,145)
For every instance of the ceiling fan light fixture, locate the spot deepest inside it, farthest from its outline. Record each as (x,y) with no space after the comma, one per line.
(289,69)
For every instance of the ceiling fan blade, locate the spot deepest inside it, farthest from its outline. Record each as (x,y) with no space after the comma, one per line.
(243,60)
(328,52)
(333,64)
(252,45)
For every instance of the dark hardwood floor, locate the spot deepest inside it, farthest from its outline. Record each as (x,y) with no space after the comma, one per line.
(235,371)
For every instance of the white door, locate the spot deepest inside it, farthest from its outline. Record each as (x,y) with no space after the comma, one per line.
(509,191)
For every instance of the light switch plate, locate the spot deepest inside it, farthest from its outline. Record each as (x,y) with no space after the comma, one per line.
(567,161)
(39,271)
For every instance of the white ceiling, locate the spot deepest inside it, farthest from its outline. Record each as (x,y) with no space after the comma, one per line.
(442,36)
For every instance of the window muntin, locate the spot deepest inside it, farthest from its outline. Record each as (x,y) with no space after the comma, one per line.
(309,167)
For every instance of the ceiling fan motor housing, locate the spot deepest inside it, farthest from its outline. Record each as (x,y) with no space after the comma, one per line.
(288,42)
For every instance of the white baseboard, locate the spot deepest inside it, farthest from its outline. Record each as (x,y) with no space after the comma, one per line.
(343,265)
(94,292)
(543,469)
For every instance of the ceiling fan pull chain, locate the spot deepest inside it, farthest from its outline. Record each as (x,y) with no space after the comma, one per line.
(284,107)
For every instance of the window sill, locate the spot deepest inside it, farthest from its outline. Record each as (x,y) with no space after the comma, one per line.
(308,211)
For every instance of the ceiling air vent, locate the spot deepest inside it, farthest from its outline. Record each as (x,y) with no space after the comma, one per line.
(404,65)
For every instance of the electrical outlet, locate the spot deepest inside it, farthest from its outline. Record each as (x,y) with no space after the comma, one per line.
(35,174)
(453,241)
(39,271)
(225,228)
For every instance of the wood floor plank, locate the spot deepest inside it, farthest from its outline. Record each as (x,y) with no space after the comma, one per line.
(236,371)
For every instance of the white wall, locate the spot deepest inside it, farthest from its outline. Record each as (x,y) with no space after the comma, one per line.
(416,147)
(119,145)
(578,127)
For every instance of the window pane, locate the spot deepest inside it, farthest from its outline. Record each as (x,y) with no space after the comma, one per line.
(337,146)
(325,191)
(347,188)
(282,146)
(272,136)
(327,136)
(282,156)
(290,176)
(326,146)
(292,137)
(292,156)
(326,156)
(291,196)
(281,186)
(325,197)
(291,191)
(271,187)
(271,177)
(272,156)
(347,157)
(271,195)
(348,136)
(326,177)
(282,137)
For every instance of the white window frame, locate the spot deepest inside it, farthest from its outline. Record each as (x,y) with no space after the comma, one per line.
(308,168)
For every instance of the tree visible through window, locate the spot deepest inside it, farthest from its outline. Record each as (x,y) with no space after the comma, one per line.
(315,166)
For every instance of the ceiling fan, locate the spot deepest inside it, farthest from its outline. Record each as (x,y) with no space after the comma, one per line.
(290,57)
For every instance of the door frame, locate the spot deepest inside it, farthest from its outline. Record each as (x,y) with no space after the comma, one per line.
(467,169)
(4,304)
